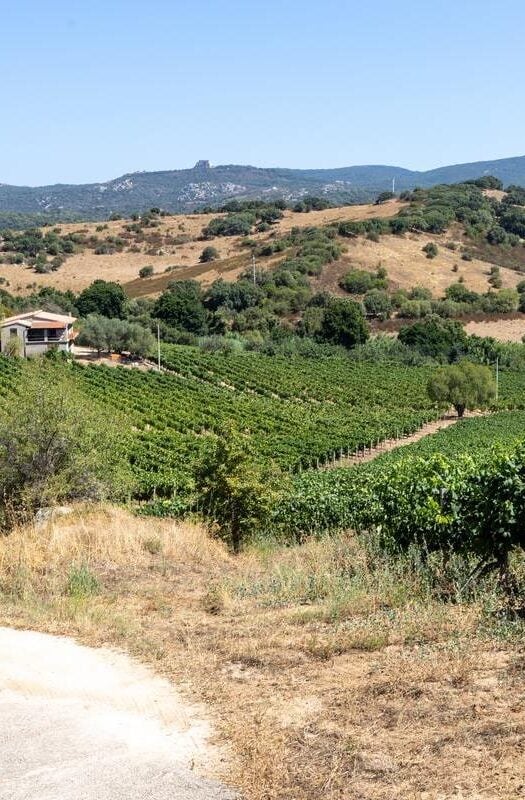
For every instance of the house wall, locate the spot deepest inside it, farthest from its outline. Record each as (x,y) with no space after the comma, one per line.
(5,336)
(39,349)
(28,349)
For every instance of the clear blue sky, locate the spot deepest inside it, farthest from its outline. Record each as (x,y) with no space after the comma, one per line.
(96,88)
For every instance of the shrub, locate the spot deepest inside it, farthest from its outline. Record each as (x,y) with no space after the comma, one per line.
(53,447)
(430,249)
(435,337)
(235,490)
(145,272)
(377,303)
(209,254)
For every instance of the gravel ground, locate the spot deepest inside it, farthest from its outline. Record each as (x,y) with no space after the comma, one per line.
(84,724)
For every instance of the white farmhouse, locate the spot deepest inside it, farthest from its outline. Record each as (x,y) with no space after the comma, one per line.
(35,332)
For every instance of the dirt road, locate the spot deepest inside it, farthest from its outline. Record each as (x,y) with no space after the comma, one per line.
(84,724)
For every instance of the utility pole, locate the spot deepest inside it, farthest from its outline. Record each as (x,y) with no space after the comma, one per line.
(158,347)
(253,270)
(393,185)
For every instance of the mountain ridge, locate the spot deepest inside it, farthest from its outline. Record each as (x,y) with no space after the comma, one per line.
(201,185)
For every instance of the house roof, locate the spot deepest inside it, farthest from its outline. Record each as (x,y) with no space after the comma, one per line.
(39,319)
(47,325)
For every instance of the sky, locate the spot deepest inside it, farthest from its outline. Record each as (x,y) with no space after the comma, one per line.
(93,90)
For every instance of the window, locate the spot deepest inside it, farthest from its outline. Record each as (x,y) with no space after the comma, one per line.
(35,335)
(13,331)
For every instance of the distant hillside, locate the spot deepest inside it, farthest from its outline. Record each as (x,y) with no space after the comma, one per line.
(183,190)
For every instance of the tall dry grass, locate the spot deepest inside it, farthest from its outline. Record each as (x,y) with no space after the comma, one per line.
(37,559)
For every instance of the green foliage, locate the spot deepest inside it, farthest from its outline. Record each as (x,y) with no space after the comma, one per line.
(235,490)
(358,281)
(430,249)
(343,323)
(487,182)
(312,203)
(102,297)
(464,386)
(81,582)
(231,225)
(181,307)
(384,196)
(53,447)
(377,304)
(145,272)
(434,337)
(209,254)
(116,335)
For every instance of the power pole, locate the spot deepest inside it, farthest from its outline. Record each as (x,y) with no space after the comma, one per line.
(393,185)
(253,270)
(158,347)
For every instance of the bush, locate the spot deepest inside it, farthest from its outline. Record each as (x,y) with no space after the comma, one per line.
(435,337)
(430,249)
(53,447)
(145,272)
(209,254)
(235,490)
(377,303)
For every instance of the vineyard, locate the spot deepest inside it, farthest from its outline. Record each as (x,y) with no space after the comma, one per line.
(390,485)
(301,414)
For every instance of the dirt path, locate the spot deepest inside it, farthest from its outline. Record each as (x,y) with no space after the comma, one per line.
(392,444)
(86,724)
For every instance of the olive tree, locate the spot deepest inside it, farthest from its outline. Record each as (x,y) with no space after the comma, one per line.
(464,386)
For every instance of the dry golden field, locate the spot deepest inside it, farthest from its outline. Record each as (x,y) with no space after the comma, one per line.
(83,268)
(408,266)
(327,672)
(174,246)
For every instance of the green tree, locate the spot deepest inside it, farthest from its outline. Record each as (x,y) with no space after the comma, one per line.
(102,297)
(237,491)
(116,335)
(56,446)
(383,197)
(438,338)
(343,323)
(181,307)
(464,386)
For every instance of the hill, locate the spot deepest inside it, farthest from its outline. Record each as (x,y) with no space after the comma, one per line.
(184,190)
(172,246)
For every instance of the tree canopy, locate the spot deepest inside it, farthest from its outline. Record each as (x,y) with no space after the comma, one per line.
(102,297)
(464,386)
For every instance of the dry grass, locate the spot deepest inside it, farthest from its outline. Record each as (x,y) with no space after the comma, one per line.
(506,330)
(408,266)
(331,671)
(81,269)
